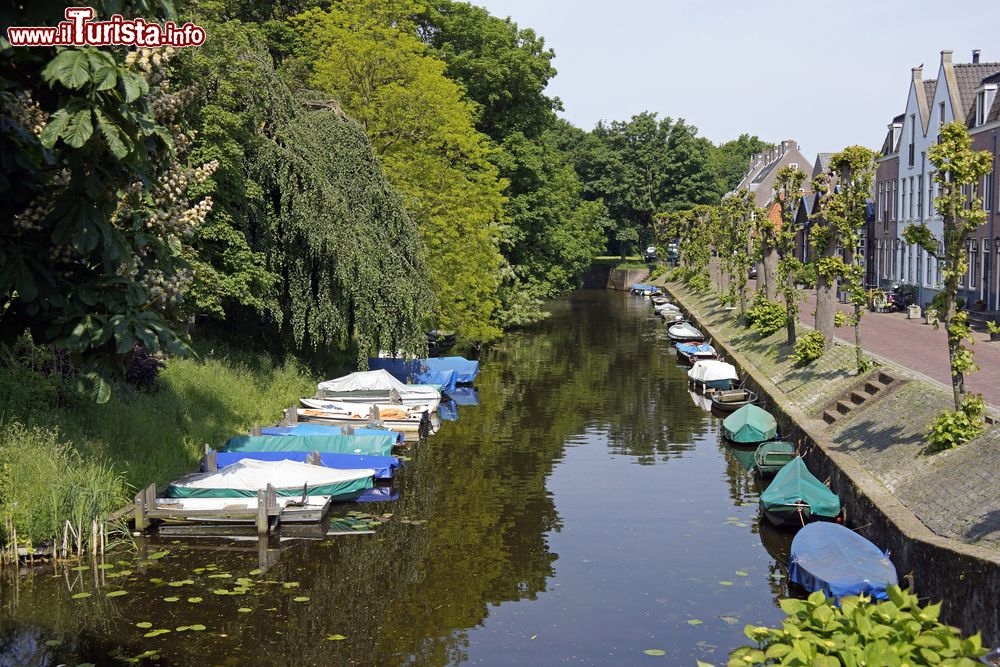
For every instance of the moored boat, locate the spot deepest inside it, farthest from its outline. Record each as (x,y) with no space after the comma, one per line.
(795,497)
(749,425)
(390,418)
(836,560)
(378,386)
(684,332)
(712,374)
(772,456)
(730,400)
(691,352)
(365,445)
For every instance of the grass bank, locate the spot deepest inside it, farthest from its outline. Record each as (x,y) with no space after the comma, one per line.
(65,457)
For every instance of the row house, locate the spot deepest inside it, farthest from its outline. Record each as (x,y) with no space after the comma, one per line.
(904,184)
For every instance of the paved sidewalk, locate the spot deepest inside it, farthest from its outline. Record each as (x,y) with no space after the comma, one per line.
(917,346)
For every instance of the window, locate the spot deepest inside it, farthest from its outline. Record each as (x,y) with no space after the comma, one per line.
(981,107)
(793,165)
(913,195)
(894,204)
(973,263)
(909,263)
(940,120)
(988,192)
(919,192)
(904,197)
(930,195)
(880,211)
(913,137)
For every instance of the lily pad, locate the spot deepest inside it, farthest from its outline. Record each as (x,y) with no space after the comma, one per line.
(116,594)
(694,621)
(144,625)
(655,652)
(159,554)
(221,591)
(80,568)
(80,596)
(290,584)
(742,573)
(171,599)
(301,598)
(194,600)
(53,642)
(157,632)
(336,638)
(244,610)
(105,566)
(254,573)
(725,583)
(220,575)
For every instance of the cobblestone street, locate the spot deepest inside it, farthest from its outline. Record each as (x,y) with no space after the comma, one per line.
(917,346)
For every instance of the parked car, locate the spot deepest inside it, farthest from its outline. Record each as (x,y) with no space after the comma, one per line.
(650,254)
(753,272)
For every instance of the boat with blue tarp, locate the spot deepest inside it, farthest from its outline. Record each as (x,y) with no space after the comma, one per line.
(370,445)
(692,352)
(831,558)
(384,466)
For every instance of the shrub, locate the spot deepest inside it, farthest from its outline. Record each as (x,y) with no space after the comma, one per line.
(839,319)
(805,275)
(765,317)
(809,347)
(859,631)
(956,427)
(142,369)
(993,327)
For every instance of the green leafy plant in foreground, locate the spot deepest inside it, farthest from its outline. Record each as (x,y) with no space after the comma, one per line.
(818,633)
(765,317)
(809,348)
(956,427)
(993,327)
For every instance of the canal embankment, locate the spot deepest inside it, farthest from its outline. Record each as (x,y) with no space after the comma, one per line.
(939,514)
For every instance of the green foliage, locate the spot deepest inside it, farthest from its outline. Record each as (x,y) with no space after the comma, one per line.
(93,258)
(993,327)
(44,482)
(734,241)
(765,317)
(781,237)
(805,275)
(729,160)
(367,53)
(956,427)
(322,247)
(839,319)
(809,347)
(819,632)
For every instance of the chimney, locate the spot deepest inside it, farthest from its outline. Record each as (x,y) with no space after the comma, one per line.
(946,57)
(975,56)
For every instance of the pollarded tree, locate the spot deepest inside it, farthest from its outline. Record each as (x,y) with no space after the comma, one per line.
(958,170)
(779,234)
(735,244)
(843,212)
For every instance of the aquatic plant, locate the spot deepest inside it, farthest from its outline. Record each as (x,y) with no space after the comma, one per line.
(857,631)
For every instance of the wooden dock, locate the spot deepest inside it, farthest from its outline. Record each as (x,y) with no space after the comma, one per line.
(266,515)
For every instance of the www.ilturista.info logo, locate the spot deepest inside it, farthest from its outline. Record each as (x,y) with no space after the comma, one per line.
(79,29)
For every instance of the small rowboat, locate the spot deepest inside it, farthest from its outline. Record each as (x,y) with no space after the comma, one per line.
(659,301)
(685,332)
(730,400)
(712,374)
(772,456)
(690,353)
(795,497)
(749,425)
(836,560)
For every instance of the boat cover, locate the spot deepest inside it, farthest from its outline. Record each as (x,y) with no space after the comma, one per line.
(384,466)
(836,560)
(465,370)
(378,380)
(415,370)
(369,445)
(324,429)
(465,396)
(712,370)
(795,483)
(750,424)
(641,287)
(689,349)
(243,479)
(364,410)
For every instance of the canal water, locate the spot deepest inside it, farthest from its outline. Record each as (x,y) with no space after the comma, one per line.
(586,511)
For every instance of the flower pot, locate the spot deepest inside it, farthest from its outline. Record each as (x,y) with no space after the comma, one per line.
(995,336)
(913,313)
(930,316)
(979,307)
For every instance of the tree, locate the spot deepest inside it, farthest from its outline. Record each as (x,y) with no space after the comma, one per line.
(958,171)
(825,251)
(780,235)
(736,244)
(844,212)
(503,68)
(91,261)
(729,160)
(367,53)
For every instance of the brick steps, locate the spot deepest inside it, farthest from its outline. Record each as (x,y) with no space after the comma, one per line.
(856,398)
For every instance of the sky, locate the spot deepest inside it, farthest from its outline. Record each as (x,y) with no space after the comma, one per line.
(827,74)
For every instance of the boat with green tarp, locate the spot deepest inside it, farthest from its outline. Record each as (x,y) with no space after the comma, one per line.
(366,445)
(772,456)
(794,497)
(749,425)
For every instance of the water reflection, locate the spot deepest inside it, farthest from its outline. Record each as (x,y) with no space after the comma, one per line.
(584,510)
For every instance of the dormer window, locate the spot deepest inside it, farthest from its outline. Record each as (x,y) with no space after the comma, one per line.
(984,99)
